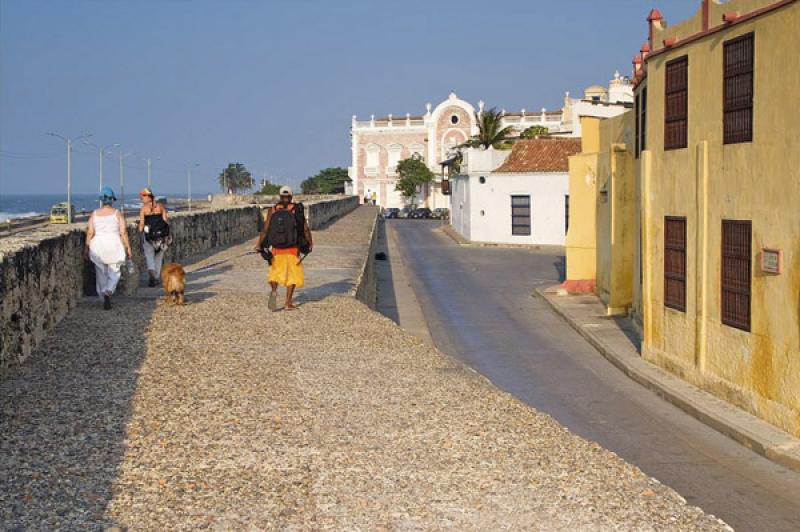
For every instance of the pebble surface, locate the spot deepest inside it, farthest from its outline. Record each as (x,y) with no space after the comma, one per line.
(223,415)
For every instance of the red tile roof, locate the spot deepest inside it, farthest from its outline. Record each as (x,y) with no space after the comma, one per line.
(540,155)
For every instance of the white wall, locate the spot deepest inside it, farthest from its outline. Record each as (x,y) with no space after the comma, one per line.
(486,215)
(459,205)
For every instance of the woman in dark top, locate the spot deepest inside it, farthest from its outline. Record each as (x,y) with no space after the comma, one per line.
(155,233)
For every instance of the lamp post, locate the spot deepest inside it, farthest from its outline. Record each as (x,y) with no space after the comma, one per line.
(189,183)
(122,157)
(102,151)
(68,142)
(149,162)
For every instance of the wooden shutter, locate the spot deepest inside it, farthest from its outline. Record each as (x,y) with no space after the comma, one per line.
(736,273)
(675,262)
(738,89)
(521,215)
(636,143)
(644,119)
(676,103)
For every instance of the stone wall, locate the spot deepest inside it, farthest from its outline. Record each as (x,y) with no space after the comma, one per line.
(219,201)
(366,288)
(44,273)
(322,212)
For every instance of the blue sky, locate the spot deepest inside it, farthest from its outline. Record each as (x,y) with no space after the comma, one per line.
(273,84)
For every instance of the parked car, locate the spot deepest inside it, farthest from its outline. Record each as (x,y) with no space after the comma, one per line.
(441,213)
(58,213)
(391,212)
(421,213)
(405,212)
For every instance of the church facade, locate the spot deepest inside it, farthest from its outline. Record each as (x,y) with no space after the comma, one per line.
(378,144)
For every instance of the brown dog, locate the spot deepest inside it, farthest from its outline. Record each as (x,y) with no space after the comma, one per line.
(173,279)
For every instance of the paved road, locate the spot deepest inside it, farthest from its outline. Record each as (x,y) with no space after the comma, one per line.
(478,304)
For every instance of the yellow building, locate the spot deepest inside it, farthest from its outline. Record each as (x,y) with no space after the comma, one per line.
(602,233)
(718,151)
(581,239)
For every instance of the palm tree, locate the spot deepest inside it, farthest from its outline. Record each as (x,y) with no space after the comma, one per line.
(235,177)
(490,130)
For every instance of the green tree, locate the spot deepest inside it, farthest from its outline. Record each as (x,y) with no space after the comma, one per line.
(269,189)
(327,181)
(235,178)
(534,131)
(413,174)
(490,131)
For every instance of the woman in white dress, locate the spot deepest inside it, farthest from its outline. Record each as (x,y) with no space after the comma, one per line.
(107,245)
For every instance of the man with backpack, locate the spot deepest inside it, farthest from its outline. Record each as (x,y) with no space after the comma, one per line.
(284,236)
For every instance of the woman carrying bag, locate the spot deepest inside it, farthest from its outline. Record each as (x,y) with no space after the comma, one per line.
(155,233)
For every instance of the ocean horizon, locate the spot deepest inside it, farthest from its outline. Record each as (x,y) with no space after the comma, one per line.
(14,206)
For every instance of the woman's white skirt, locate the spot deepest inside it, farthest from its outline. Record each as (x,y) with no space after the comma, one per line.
(108,255)
(106,249)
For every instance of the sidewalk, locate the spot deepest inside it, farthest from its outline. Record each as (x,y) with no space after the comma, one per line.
(221,414)
(617,341)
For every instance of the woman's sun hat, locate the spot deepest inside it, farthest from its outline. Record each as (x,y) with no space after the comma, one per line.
(106,193)
(146,191)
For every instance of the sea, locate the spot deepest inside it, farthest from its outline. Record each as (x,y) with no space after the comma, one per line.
(13,206)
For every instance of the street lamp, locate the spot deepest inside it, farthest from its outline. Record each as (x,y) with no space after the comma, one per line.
(102,151)
(189,183)
(68,141)
(150,171)
(122,157)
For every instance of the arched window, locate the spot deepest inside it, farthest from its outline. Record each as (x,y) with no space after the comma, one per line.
(395,152)
(373,159)
(418,150)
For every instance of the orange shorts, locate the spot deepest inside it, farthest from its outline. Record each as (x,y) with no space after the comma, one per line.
(286,271)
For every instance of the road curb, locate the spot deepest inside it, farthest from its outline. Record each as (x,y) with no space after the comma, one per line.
(742,427)
(461,241)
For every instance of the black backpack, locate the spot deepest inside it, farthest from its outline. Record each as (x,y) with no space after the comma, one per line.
(285,227)
(155,229)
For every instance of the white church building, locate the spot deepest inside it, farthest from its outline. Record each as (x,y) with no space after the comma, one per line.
(378,144)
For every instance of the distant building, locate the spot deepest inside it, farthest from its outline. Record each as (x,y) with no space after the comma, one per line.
(519,196)
(378,144)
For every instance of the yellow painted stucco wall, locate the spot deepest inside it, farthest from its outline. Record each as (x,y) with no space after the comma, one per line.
(581,240)
(616,212)
(709,181)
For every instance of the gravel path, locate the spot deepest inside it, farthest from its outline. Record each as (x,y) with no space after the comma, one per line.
(224,415)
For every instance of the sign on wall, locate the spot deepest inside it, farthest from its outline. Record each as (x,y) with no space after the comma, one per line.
(771,260)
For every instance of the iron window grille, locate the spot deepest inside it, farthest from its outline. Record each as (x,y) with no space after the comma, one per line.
(637,121)
(675,262)
(676,102)
(643,120)
(736,273)
(739,56)
(521,215)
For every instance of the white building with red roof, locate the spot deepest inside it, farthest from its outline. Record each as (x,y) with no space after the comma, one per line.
(378,144)
(517,196)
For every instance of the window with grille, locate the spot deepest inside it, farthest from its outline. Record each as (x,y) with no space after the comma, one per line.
(643,120)
(736,273)
(521,215)
(675,262)
(636,145)
(738,89)
(676,102)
